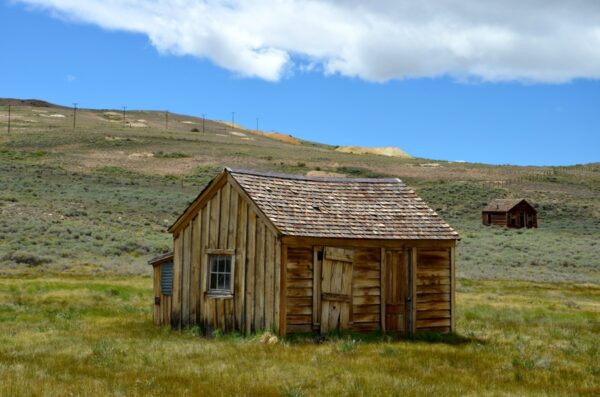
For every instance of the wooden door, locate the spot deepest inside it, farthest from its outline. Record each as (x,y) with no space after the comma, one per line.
(397,303)
(336,289)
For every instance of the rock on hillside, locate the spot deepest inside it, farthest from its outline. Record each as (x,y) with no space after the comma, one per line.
(390,151)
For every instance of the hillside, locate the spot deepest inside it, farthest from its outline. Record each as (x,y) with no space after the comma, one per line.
(81,211)
(98,198)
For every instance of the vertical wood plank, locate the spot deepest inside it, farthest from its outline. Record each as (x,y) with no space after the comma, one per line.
(185,281)
(203,264)
(250,264)
(233,219)
(414,257)
(269,278)
(283,291)
(383,292)
(316,311)
(326,271)
(220,314)
(213,235)
(163,310)
(346,288)
(156,308)
(277,286)
(195,279)
(224,216)
(452,289)
(177,268)
(259,278)
(210,315)
(240,264)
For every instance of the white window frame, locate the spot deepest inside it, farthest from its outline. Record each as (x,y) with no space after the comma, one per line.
(220,252)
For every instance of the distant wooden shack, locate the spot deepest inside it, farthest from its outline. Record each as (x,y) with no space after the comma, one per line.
(262,251)
(515,213)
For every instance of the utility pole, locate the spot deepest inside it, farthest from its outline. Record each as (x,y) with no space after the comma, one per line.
(232,119)
(124,109)
(203,120)
(9,118)
(257,124)
(74,114)
(167,120)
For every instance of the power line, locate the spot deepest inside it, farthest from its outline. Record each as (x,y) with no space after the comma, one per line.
(74,113)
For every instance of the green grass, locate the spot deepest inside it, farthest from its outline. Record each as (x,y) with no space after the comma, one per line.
(81,336)
(82,211)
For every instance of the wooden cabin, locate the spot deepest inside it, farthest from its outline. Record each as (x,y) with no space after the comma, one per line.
(263,251)
(514,213)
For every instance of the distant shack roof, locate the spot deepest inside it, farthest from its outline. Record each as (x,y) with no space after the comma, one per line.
(367,208)
(504,205)
(162,258)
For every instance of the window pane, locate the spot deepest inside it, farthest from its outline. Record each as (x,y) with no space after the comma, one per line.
(227,264)
(220,272)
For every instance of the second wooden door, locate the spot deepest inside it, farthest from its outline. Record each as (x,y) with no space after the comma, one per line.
(397,304)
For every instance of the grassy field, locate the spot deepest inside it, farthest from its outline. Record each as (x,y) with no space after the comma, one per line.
(82,210)
(76,336)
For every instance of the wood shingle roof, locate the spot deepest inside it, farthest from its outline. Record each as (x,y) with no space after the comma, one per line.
(342,207)
(502,205)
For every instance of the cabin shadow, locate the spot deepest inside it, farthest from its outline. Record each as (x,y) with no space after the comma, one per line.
(450,338)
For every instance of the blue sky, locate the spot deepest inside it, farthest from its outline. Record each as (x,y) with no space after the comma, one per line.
(516,119)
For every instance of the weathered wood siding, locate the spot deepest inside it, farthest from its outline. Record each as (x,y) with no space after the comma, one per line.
(430,273)
(299,289)
(434,284)
(162,306)
(226,222)
(156,312)
(366,291)
(523,216)
(494,218)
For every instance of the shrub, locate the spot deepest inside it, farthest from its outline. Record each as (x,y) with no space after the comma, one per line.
(360,172)
(174,155)
(28,258)
(196,330)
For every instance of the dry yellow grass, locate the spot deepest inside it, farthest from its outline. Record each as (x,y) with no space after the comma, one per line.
(83,336)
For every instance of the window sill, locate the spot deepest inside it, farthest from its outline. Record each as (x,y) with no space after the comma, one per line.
(218,295)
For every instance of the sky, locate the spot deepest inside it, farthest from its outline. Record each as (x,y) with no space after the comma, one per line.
(499,82)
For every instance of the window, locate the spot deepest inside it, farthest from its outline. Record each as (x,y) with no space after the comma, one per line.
(220,271)
(166,279)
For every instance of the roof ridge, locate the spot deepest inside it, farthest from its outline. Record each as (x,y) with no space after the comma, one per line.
(280,175)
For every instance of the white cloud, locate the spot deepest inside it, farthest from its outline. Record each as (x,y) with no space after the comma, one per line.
(528,40)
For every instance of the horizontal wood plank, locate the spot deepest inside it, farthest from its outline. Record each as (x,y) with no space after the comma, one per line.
(433,306)
(433,322)
(424,315)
